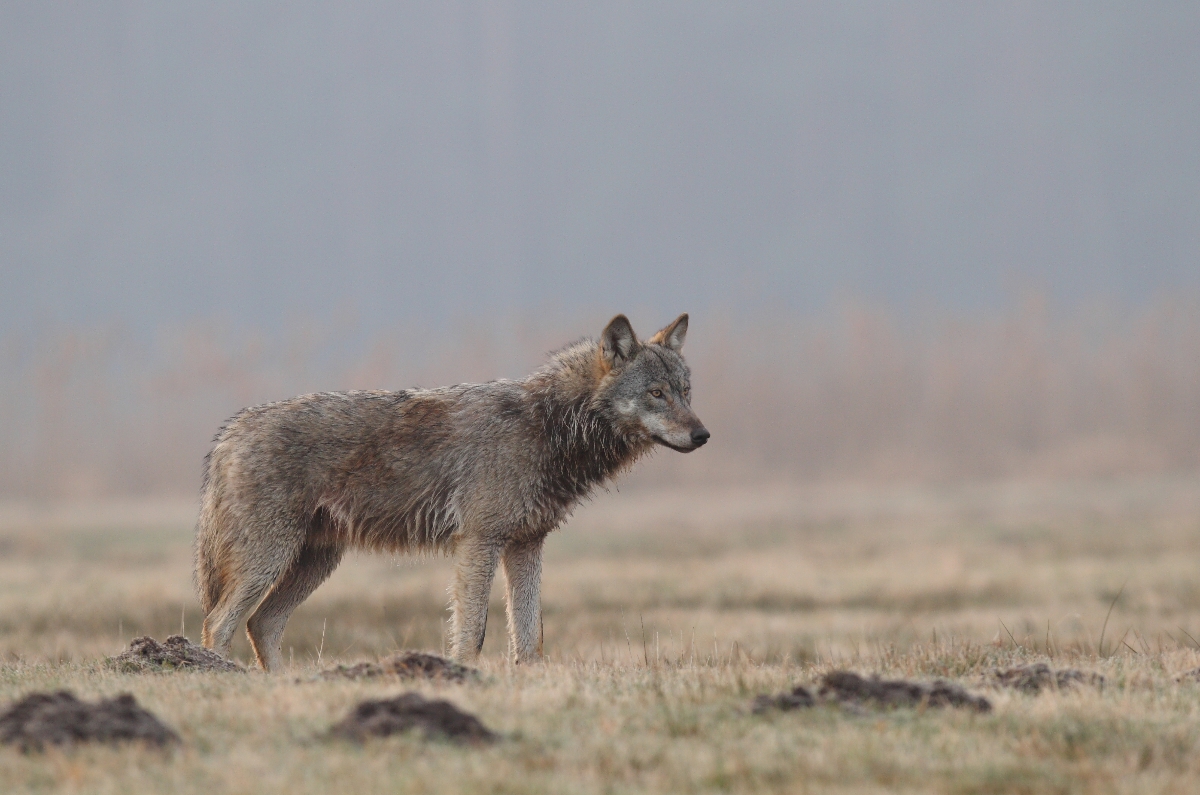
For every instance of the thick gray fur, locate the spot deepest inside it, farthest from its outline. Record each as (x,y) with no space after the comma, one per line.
(482,471)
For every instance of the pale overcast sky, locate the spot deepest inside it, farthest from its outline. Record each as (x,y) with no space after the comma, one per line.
(262,162)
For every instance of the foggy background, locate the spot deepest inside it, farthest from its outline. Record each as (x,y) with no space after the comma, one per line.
(917,240)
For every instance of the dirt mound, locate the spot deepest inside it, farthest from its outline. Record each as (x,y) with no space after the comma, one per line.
(849,687)
(1039,676)
(42,719)
(176,652)
(798,698)
(408,665)
(851,691)
(437,719)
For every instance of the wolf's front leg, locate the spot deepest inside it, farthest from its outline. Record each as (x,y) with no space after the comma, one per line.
(523,573)
(476,567)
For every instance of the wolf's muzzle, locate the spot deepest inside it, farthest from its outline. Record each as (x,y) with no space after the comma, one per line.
(700,436)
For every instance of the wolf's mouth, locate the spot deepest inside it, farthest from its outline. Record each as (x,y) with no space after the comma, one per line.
(674,447)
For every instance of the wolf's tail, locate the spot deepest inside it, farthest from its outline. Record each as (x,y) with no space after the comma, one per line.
(208,537)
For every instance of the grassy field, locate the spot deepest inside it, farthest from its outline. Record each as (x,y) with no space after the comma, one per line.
(665,614)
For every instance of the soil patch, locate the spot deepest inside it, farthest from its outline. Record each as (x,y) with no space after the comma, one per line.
(408,665)
(1040,676)
(798,698)
(849,688)
(42,719)
(436,718)
(1189,676)
(145,654)
(853,692)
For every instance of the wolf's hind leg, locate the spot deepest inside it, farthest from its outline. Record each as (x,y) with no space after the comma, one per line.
(472,589)
(523,575)
(265,627)
(247,589)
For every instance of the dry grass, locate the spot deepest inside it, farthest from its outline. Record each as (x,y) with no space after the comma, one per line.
(665,614)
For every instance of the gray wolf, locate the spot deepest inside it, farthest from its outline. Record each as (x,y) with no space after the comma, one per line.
(481,471)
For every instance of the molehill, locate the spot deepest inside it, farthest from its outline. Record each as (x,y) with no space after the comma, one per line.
(41,719)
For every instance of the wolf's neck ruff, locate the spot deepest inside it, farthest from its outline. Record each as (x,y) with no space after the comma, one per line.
(584,444)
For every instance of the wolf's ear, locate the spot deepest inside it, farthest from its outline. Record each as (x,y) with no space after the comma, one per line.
(618,343)
(673,335)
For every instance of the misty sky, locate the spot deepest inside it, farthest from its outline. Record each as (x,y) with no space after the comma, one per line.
(269,162)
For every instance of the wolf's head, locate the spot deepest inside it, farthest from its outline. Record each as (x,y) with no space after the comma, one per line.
(647,385)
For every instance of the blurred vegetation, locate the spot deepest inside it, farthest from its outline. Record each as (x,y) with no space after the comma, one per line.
(860,394)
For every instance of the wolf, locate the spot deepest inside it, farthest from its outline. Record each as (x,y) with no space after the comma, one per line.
(480,471)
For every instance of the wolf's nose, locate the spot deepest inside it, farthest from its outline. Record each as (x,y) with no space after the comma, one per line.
(700,436)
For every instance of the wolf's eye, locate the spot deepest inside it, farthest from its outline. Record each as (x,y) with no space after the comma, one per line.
(656,393)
